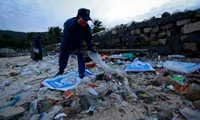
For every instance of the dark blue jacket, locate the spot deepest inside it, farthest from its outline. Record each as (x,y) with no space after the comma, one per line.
(37,42)
(74,35)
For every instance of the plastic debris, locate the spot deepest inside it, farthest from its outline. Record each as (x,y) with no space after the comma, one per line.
(65,82)
(68,94)
(16,99)
(176,56)
(93,91)
(53,111)
(60,115)
(97,58)
(190,114)
(139,66)
(182,67)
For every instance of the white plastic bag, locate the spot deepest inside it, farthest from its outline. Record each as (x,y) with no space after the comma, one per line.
(97,58)
(182,67)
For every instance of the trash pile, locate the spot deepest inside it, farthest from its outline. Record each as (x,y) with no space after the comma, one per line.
(9,52)
(116,87)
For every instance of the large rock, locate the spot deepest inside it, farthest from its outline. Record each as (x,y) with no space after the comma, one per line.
(162,41)
(168,26)
(11,111)
(182,22)
(152,37)
(135,32)
(190,46)
(143,37)
(113,41)
(114,32)
(196,104)
(147,30)
(153,43)
(193,93)
(161,35)
(155,30)
(192,27)
(183,38)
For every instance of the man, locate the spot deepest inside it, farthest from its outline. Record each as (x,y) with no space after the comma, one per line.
(75,31)
(37,47)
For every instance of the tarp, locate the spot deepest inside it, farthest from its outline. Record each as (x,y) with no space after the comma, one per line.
(65,82)
(183,67)
(139,66)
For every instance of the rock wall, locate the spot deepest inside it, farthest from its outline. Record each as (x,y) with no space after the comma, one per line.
(175,33)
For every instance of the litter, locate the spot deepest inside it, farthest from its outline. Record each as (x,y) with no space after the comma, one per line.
(16,99)
(65,82)
(68,94)
(182,67)
(178,79)
(176,56)
(93,91)
(139,66)
(128,55)
(97,58)
(60,115)
(190,114)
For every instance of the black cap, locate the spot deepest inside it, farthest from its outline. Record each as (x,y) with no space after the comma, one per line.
(84,14)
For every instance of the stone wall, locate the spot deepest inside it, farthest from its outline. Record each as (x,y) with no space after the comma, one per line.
(175,33)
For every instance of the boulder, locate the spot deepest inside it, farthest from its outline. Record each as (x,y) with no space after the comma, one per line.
(114,32)
(182,22)
(183,38)
(135,32)
(193,93)
(152,43)
(190,46)
(168,26)
(147,30)
(191,27)
(162,41)
(155,29)
(143,37)
(161,35)
(152,37)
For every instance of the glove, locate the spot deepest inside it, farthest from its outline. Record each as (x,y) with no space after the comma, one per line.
(36,50)
(91,49)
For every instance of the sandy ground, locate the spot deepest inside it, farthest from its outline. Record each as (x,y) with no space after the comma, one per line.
(33,73)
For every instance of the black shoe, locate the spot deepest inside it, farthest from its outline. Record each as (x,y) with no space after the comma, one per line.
(81,76)
(59,73)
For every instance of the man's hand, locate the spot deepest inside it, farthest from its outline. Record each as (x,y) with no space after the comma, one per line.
(91,49)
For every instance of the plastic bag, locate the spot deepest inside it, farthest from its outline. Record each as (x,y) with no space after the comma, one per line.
(182,67)
(54,111)
(97,58)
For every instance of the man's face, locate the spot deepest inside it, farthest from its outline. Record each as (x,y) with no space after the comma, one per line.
(82,22)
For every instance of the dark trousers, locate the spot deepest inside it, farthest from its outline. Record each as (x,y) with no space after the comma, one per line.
(65,51)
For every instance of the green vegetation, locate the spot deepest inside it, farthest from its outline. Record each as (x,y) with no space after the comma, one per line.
(97,26)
